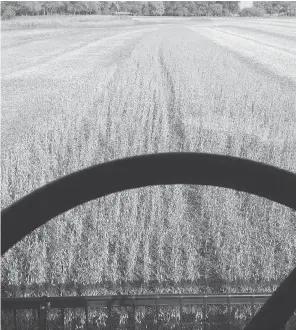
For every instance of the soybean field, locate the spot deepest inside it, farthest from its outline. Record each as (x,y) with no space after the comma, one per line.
(74,96)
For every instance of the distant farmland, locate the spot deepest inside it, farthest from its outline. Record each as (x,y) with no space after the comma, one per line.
(74,97)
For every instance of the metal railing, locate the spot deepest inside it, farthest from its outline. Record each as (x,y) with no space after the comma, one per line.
(43,304)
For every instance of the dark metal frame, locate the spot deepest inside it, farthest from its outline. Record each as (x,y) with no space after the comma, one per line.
(160,169)
(42,304)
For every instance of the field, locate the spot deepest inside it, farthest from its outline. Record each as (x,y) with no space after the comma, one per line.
(77,95)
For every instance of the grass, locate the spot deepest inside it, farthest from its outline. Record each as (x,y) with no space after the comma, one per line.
(68,21)
(174,90)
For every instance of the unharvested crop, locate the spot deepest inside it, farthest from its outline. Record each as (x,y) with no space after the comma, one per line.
(174,90)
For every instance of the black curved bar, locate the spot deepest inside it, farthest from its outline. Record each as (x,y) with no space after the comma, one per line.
(35,209)
(61,195)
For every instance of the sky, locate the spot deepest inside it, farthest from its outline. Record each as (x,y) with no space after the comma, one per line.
(245,4)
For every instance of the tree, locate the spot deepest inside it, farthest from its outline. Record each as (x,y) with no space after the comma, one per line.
(216,9)
(259,4)
(69,8)
(30,8)
(208,8)
(284,7)
(287,8)
(114,7)
(10,7)
(168,8)
(145,9)
(229,7)
(105,8)
(136,10)
(202,8)
(134,7)
(251,12)
(53,7)
(272,7)
(181,11)
(233,7)
(192,9)
(8,13)
(176,8)
(156,8)
(79,7)
(269,7)
(292,8)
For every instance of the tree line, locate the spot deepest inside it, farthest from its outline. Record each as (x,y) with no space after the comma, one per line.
(261,8)
(140,8)
(9,9)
